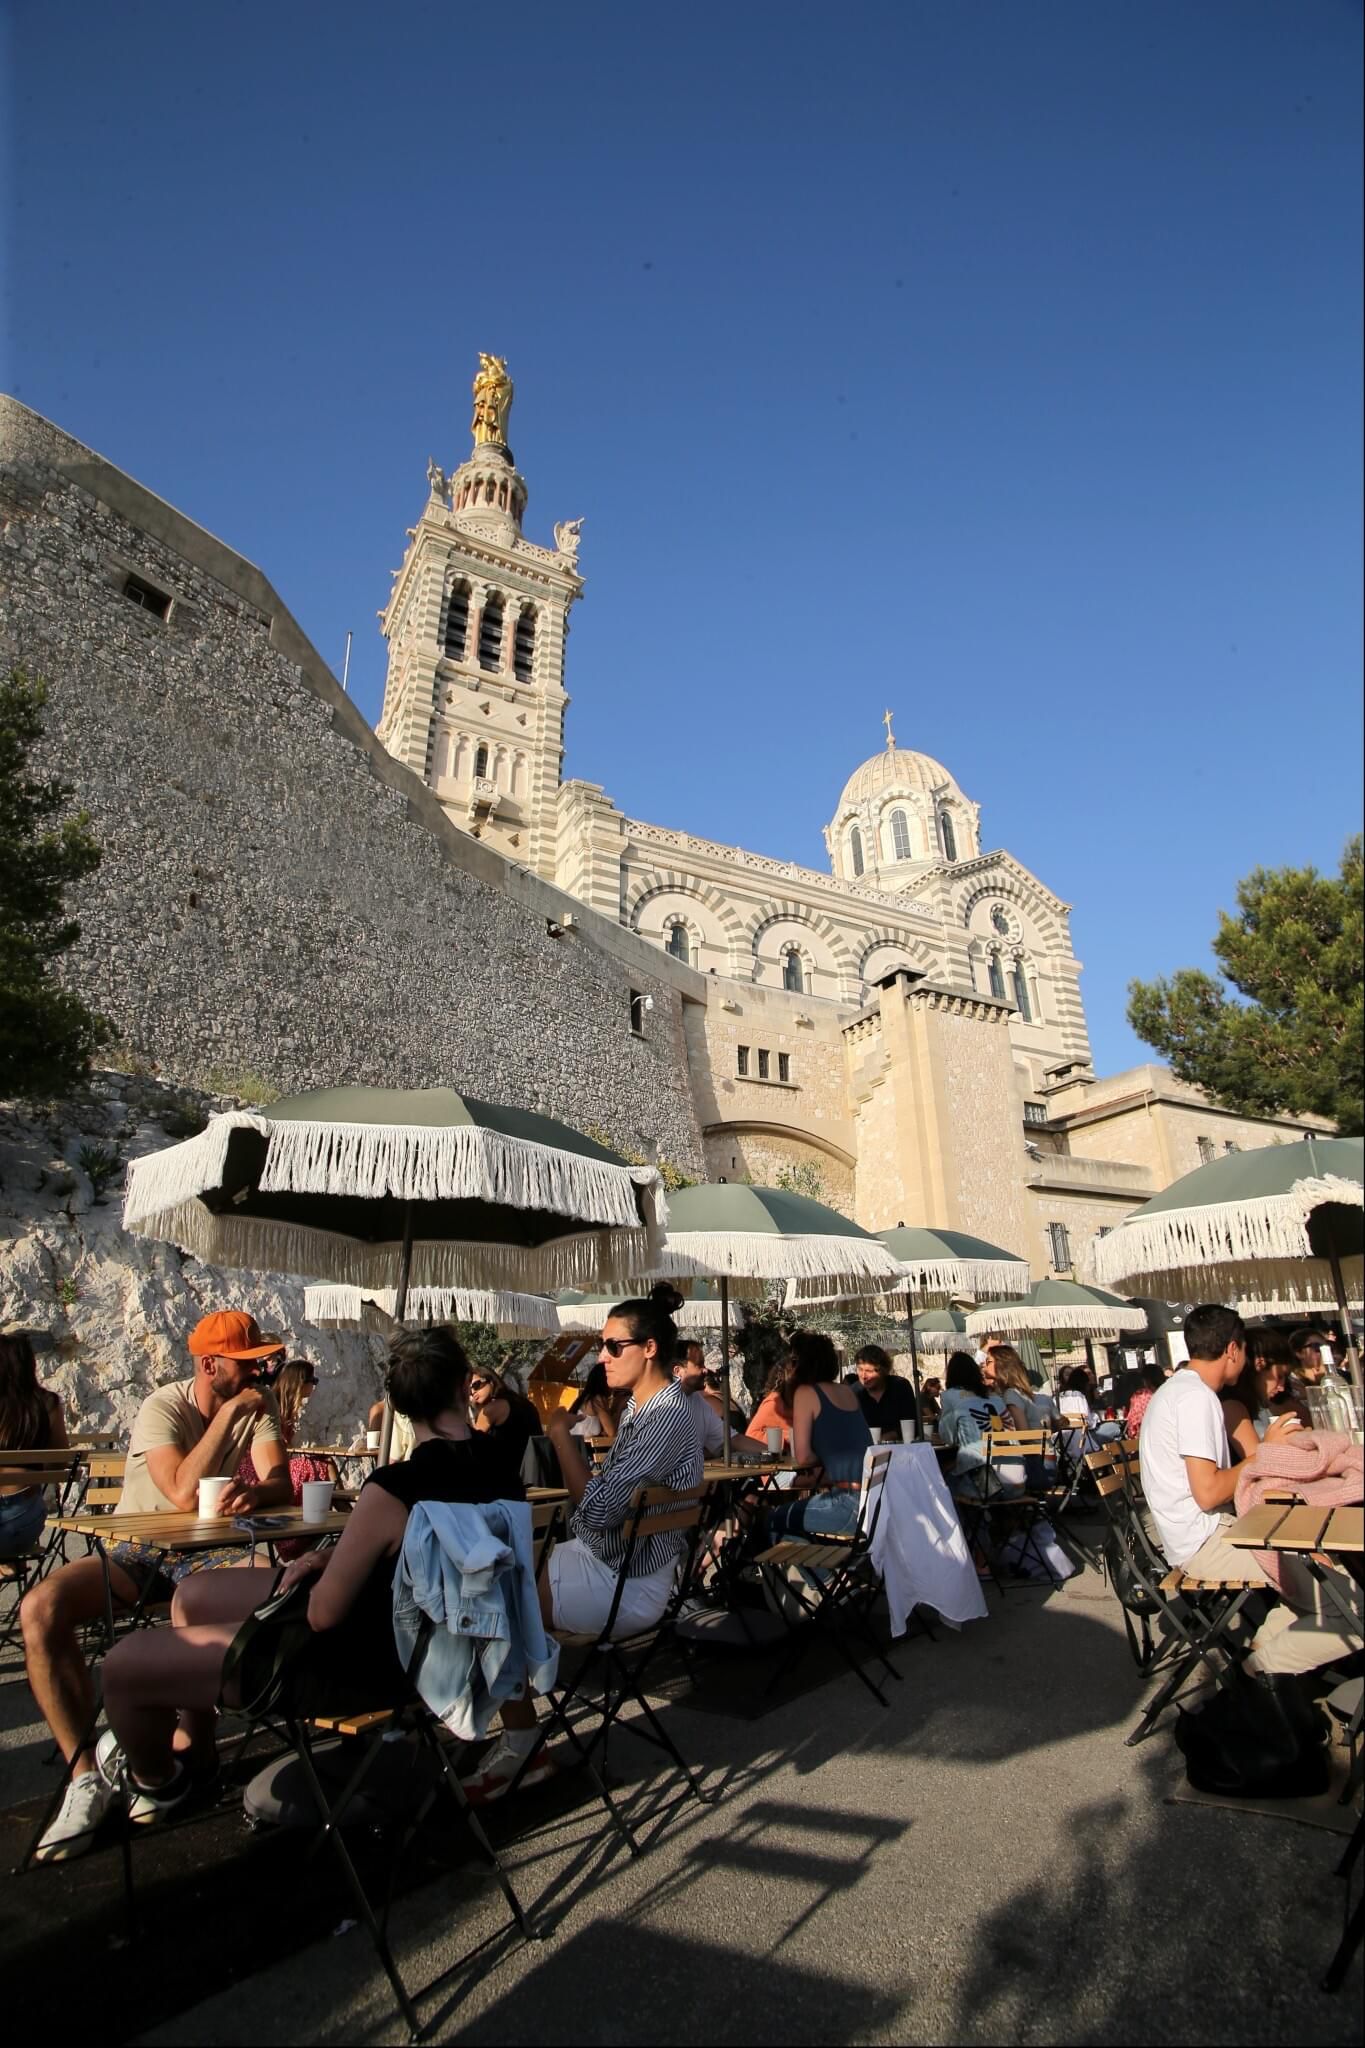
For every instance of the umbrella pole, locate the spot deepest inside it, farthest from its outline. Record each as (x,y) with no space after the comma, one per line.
(725,1362)
(400,1309)
(914,1356)
(1343,1310)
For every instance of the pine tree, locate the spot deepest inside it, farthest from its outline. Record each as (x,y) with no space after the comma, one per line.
(47,1035)
(1291,1037)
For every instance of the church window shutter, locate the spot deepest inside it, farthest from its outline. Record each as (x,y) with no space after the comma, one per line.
(997,978)
(900,835)
(490,634)
(524,646)
(677,943)
(1021,1001)
(457,622)
(480,763)
(792,976)
(949,836)
(855,850)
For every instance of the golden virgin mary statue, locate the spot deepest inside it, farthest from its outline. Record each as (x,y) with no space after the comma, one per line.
(492,401)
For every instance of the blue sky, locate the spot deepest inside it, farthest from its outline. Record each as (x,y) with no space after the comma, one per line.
(999,363)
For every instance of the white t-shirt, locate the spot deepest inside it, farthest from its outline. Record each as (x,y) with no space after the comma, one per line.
(1184,1419)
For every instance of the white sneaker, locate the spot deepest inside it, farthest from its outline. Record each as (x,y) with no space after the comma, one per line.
(495,1774)
(110,1761)
(146,1808)
(87,1801)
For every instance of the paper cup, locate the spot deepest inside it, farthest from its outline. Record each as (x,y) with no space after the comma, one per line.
(907,1432)
(317,1499)
(211,1493)
(774,1441)
(372,1437)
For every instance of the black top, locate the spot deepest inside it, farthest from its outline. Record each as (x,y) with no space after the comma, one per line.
(897,1403)
(355,1667)
(507,1441)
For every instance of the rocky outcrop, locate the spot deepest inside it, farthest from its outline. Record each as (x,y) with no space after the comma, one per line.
(109,1313)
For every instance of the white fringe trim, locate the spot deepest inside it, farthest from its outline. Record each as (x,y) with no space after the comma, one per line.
(413,1162)
(1270,1230)
(590,1259)
(771,1255)
(1074,1317)
(515,1315)
(966,1276)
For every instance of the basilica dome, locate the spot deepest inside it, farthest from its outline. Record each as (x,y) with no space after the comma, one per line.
(899,813)
(896,768)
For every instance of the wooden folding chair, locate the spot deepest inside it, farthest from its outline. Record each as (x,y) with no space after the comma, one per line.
(60,1469)
(622,1661)
(833,1579)
(370,1730)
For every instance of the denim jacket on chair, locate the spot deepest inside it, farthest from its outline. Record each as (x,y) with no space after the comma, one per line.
(466,1613)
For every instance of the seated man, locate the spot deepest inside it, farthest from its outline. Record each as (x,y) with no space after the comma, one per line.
(885,1398)
(690,1375)
(192,1429)
(1189,1481)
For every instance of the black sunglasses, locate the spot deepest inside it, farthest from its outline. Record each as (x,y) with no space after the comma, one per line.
(616,1345)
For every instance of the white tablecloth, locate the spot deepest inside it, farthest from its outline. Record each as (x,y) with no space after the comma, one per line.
(919,1548)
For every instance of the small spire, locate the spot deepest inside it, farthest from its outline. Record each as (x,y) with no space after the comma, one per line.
(890,736)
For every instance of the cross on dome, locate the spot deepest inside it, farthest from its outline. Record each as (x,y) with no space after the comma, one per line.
(890,736)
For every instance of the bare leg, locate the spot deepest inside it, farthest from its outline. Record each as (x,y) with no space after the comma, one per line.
(206,1599)
(149,1677)
(57,1672)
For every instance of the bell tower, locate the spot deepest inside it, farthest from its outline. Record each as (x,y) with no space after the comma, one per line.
(474,698)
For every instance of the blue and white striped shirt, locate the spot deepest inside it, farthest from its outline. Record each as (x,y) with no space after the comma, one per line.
(657,1445)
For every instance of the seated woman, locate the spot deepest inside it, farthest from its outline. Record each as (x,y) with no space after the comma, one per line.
(828,1430)
(964,1415)
(774,1411)
(1013,1386)
(658,1443)
(158,1677)
(930,1398)
(31,1419)
(599,1407)
(504,1416)
(1151,1380)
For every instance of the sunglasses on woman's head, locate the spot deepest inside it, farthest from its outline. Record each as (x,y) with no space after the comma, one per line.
(616,1345)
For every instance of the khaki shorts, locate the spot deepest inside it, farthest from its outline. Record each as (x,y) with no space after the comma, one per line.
(582,1589)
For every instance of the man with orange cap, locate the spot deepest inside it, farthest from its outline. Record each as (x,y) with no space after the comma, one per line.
(193,1429)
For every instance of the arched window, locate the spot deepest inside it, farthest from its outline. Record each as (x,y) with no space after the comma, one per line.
(900,835)
(677,944)
(855,850)
(945,826)
(793,977)
(490,633)
(1021,1000)
(480,763)
(997,978)
(457,622)
(524,645)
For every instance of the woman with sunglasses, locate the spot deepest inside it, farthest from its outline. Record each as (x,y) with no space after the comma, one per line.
(505,1417)
(658,1443)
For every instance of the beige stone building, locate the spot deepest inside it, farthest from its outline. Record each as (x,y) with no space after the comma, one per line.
(908,1024)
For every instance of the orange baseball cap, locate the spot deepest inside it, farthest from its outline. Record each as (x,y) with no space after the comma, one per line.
(230,1333)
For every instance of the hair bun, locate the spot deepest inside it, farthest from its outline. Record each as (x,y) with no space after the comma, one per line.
(666,1297)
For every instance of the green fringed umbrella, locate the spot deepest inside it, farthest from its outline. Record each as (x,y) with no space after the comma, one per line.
(1054,1305)
(574,1311)
(1285,1220)
(733,1233)
(392,1187)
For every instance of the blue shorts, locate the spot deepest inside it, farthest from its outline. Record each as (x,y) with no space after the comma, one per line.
(21,1521)
(814,1514)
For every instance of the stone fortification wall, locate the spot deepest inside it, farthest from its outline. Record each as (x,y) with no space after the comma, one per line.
(280,902)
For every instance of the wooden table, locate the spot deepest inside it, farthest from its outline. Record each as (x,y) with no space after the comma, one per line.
(1336,1532)
(188,1532)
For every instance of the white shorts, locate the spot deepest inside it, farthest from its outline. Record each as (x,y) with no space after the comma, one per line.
(582,1589)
